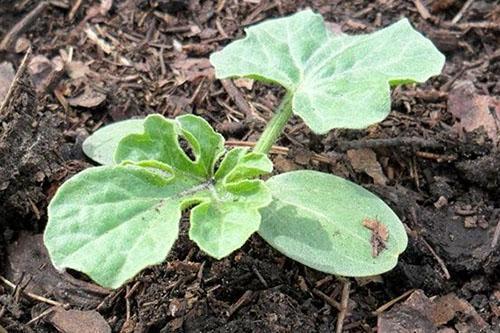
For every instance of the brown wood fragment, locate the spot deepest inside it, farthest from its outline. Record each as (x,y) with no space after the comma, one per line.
(422,10)
(72,321)
(379,237)
(344,304)
(330,301)
(244,299)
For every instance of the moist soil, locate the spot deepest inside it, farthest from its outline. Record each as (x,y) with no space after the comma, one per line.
(434,160)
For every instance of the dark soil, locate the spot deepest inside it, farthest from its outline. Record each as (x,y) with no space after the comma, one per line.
(441,176)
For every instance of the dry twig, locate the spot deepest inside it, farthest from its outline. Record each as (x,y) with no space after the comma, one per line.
(33,296)
(392,302)
(20,27)
(344,305)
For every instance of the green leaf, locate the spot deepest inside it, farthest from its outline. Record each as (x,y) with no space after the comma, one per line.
(160,142)
(101,145)
(220,228)
(317,219)
(336,81)
(110,222)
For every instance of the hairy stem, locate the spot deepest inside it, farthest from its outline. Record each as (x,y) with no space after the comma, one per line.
(275,127)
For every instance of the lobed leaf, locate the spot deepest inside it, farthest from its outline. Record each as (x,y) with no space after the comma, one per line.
(110,222)
(160,142)
(319,220)
(336,81)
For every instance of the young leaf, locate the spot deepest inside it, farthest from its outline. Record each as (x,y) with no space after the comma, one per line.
(321,220)
(336,81)
(112,221)
(101,145)
(220,228)
(160,142)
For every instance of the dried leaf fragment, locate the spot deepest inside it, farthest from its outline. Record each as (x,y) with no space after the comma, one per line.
(379,237)
(88,99)
(365,160)
(474,110)
(447,307)
(192,69)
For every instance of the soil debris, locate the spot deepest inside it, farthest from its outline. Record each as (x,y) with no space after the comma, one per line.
(446,308)
(365,160)
(89,98)
(422,314)
(379,237)
(76,321)
(192,69)
(475,110)
(27,258)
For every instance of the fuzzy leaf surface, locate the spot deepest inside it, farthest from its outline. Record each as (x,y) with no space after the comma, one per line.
(110,222)
(336,81)
(318,219)
(101,145)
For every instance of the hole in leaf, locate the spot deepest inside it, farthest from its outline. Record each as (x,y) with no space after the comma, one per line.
(218,162)
(186,147)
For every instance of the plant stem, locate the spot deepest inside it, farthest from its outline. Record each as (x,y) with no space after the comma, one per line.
(275,126)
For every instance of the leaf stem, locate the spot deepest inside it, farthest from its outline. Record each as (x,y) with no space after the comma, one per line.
(275,127)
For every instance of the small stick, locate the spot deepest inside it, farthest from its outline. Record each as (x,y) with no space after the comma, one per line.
(41,315)
(480,25)
(133,289)
(105,46)
(23,67)
(422,10)
(33,296)
(110,298)
(392,302)
(74,9)
(220,5)
(432,156)
(244,299)
(462,11)
(260,277)
(260,9)
(330,301)
(429,247)
(20,27)
(438,259)
(199,275)
(390,142)
(275,149)
(127,304)
(496,235)
(279,150)
(324,280)
(344,306)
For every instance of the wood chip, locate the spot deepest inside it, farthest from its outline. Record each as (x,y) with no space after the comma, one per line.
(88,99)
(76,321)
